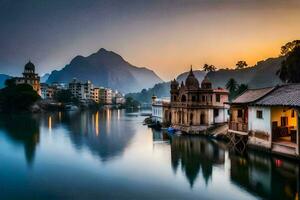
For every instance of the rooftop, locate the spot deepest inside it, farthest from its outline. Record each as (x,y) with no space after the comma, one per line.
(252,95)
(285,95)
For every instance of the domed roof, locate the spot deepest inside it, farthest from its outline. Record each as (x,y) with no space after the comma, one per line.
(206,84)
(29,66)
(191,81)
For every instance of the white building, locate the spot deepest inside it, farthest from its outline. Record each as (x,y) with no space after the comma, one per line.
(157,109)
(84,91)
(47,91)
(269,118)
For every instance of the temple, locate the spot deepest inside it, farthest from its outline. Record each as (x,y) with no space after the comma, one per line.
(193,107)
(30,77)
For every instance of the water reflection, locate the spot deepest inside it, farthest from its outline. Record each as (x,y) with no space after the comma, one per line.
(23,130)
(258,173)
(104,150)
(84,131)
(265,176)
(194,154)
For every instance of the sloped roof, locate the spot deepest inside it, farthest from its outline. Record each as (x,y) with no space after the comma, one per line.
(285,95)
(252,95)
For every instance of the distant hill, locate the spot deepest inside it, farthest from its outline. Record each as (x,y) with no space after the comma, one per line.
(263,74)
(44,78)
(160,90)
(3,78)
(108,69)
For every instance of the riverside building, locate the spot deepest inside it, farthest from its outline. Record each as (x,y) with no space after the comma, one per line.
(194,107)
(84,91)
(268,118)
(29,77)
(105,96)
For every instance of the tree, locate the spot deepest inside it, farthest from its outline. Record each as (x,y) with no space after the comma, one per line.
(10,82)
(235,89)
(231,85)
(209,68)
(131,103)
(17,98)
(241,64)
(241,88)
(289,71)
(289,47)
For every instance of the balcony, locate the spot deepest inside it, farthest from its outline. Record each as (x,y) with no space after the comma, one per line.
(238,126)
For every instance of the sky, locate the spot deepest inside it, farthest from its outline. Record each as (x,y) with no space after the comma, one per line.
(166,36)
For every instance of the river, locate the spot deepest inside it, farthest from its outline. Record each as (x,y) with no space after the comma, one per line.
(109,154)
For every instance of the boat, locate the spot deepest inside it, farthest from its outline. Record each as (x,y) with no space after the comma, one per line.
(171,130)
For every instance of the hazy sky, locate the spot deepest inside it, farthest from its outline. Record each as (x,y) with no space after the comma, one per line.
(166,35)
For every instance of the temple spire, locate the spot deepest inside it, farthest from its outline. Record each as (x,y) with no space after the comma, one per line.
(191,71)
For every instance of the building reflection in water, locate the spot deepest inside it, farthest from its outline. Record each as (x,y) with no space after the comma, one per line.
(97,123)
(159,136)
(265,176)
(260,174)
(84,131)
(24,130)
(108,120)
(119,114)
(194,154)
(50,124)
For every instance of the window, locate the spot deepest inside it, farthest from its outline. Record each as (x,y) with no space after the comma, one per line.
(259,114)
(240,113)
(284,121)
(203,98)
(293,114)
(216,112)
(218,97)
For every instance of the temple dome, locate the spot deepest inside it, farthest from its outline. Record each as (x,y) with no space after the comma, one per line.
(191,81)
(206,84)
(29,66)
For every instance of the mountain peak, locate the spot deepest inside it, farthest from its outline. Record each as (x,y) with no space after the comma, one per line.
(102,50)
(108,69)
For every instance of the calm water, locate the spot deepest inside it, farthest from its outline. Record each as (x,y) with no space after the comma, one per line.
(110,154)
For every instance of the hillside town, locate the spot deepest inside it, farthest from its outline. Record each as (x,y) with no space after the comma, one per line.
(85,92)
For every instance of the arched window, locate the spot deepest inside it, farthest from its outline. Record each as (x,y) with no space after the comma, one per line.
(183,98)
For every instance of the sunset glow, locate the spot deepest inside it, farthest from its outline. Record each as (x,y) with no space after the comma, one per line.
(165,37)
